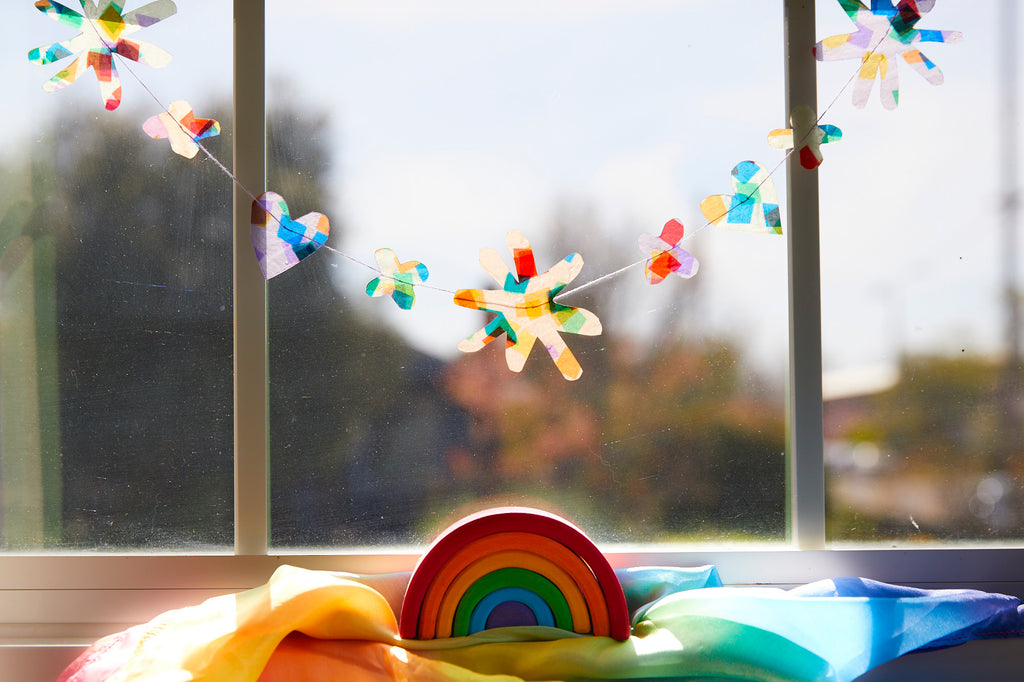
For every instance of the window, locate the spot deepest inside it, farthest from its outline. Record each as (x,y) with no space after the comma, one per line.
(116,390)
(920,298)
(444,128)
(114,590)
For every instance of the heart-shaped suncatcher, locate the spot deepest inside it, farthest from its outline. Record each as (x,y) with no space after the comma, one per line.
(753,208)
(281,242)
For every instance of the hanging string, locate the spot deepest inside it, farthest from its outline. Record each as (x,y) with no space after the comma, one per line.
(234,178)
(562,295)
(796,145)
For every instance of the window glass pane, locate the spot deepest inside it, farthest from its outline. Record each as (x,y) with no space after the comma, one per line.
(115,298)
(922,385)
(434,129)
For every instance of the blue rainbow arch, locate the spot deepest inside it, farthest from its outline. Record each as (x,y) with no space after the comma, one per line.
(488,613)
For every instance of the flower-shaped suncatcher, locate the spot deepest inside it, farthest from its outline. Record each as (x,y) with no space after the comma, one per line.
(103,27)
(525,308)
(397,279)
(180,126)
(666,256)
(806,134)
(885,31)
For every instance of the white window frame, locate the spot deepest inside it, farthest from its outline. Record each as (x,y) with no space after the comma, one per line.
(51,605)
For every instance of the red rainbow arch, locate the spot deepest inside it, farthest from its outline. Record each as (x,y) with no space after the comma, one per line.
(513,566)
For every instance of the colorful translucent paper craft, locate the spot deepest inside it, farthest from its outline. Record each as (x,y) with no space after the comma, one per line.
(885,31)
(281,242)
(508,567)
(179,125)
(753,208)
(666,256)
(103,28)
(525,308)
(807,133)
(397,278)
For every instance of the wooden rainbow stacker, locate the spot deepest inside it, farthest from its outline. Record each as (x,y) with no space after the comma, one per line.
(513,566)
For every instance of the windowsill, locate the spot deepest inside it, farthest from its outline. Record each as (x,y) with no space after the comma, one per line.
(79,598)
(738,565)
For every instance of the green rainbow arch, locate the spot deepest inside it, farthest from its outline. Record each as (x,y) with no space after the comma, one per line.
(511,577)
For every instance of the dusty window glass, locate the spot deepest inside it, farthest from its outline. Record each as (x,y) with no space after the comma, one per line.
(115,299)
(921,281)
(434,130)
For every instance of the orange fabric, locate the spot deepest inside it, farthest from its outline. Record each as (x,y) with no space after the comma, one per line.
(300,658)
(232,637)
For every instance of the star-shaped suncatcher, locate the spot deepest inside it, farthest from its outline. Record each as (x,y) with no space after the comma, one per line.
(103,27)
(525,308)
(807,133)
(885,31)
(666,256)
(180,126)
(397,278)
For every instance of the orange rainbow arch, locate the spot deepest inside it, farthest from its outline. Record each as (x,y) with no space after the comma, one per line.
(513,566)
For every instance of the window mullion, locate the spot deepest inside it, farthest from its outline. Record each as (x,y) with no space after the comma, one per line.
(250,291)
(805,464)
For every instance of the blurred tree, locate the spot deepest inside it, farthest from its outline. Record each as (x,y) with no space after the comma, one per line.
(659,437)
(942,413)
(144,336)
(30,485)
(938,430)
(143,298)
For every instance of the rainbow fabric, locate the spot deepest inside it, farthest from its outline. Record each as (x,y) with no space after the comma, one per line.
(309,625)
